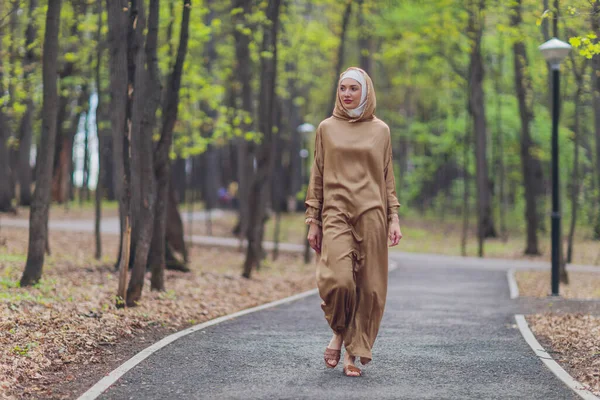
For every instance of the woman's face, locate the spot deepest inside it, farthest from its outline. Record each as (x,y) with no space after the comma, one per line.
(350,92)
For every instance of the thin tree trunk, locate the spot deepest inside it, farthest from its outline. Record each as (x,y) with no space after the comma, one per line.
(124,261)
(175,236)
(485,225)
(575,185)
(41,198)
(500,167)
(466,196)
(258,196)
(6,192)
(365,40)
(523,88)
(85,191)
(99,135)
(26,127)
(63,166)
(161,161)
(211,181)
(340,55)
(596,93)
(108,182)
(118,22)
(12,79)
(277,187)
(5,187)
(147,90)
(575,177)
(245,149)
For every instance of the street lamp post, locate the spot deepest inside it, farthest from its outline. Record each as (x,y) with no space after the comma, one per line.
(305,129)
(554,52)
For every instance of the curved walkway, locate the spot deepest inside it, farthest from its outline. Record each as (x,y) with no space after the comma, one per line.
(448,333)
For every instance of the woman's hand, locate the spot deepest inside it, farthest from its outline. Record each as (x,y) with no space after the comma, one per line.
(315,236)
(394,233)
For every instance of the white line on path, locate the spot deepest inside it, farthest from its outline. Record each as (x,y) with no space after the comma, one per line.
(549,361)
(512,284)
(99,388)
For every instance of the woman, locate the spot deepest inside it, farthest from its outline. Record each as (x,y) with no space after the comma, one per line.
(352,209)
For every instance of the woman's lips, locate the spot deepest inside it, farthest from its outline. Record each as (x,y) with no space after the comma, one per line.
(347,101)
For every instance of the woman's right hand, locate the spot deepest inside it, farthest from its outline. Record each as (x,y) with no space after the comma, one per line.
(315,236)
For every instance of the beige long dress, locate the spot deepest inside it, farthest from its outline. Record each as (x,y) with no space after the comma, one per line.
(352,195)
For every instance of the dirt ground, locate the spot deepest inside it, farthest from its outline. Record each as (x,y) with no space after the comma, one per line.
(59,337)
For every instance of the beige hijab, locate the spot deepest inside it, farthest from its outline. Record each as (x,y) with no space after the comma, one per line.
(341,112)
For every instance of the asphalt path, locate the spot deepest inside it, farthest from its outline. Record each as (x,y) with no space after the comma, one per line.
(448,333)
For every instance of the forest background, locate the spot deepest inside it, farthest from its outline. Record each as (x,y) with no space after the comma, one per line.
(228,94)
(151,115)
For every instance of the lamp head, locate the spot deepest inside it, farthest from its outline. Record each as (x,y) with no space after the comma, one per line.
(555,51)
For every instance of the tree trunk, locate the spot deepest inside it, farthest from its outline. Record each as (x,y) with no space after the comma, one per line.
(365,40)
(41,198)
(258,195)
(485,225)
(575,176)
(13,77)
(161,160)
(26,127)
(466,181)
(6,192)
(340,55)
(5,187)
(277,187)
(178,179)
(596,93)
(211,171)
(500,167)
(63,165)
(118,23)
(146,98)
(296,166)
(245,149)
(175,235)
(579,75)
(100,135)
(84,195)
(523,88)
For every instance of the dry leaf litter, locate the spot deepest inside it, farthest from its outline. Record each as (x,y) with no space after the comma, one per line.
(70,318)
(573,340)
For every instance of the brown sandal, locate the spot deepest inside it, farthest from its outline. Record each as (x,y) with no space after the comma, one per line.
(352,368)
(331,354)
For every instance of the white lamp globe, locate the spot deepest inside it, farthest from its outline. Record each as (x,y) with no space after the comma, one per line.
(554,51)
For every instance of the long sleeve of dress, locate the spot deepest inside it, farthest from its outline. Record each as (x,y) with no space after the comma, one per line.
(390,183)
(314,194)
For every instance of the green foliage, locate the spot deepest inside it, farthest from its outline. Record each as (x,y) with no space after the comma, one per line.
(420,56)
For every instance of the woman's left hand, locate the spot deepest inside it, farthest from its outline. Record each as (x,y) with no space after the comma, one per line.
(394,233)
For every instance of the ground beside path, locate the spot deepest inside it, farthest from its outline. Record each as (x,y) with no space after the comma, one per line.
(448,332)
